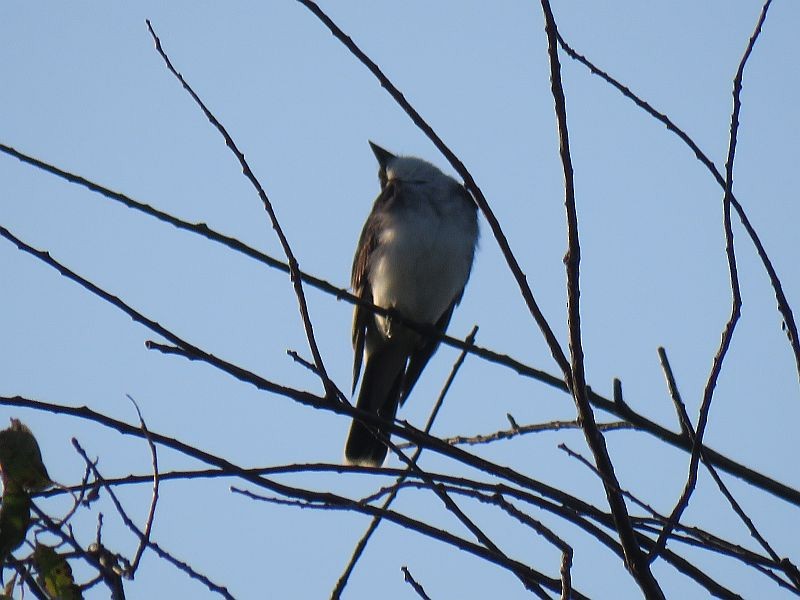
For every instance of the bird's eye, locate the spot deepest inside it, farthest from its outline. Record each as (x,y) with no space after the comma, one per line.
(382,177)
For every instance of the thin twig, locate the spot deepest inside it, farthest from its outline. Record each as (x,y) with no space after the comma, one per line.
(699,538)
(783,304)
(488,495)
(413,583)
(313,368)
(634,559)
(362,543)
(152,512)
(76,500)
(185,346)
(112,580)
(562,505)
(338,502)
(507,434)
(683,416)
(219,589)
(585,462)
(620,409)
(25,575)
(328,501)
(549,535)
(523,574)
(469,182)
(484,466)
(294,268)
(193,353)
(736,300)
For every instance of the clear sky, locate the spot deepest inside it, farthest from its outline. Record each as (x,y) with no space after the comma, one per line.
(82,87)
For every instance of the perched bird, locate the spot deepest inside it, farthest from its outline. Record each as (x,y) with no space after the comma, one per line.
(414,256)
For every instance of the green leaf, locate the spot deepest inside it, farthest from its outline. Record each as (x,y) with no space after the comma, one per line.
(15,518)
(21,459)
(55,574)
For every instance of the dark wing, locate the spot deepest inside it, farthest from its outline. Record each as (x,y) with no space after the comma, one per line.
(361,318)
(359,278)
(422,354)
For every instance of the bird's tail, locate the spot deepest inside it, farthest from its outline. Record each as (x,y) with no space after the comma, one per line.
(379,394)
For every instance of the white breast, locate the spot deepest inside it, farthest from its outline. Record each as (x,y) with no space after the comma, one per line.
(423,259)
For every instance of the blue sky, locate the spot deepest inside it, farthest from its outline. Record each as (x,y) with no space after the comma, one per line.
(84,89)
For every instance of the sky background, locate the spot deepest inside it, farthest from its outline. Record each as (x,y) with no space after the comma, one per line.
(83,88)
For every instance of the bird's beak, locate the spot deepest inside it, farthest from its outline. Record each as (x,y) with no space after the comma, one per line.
(383,156)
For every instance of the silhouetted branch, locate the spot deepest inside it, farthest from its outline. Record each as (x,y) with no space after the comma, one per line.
(620,409)
(551,537)
(221,590)
(362,543)
(327,501)
(634,559)
(469,181)
(736,301)
(789,569)
(507,434)
(294,267)
(152,512)
(112,580)
(404,430)
(510,493)
(22,570)
(413,583)
(783,304)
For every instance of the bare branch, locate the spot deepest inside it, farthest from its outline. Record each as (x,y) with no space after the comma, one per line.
(551,537)
(152,512)
(615,407)
(634,559)
(789,569)
(585,462)
(736,301)
(507,434)
(362,543)
(413,583)
(783,304)
(469,181)
(327,501)
(309,399)
(294,268)
(221,590)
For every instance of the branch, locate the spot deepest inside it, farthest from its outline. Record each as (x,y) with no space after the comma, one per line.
(219,589)
(736,301)
(294,268)
(634,559)
(507,434)
(106,574)
(406,431)
(680,564)
(783,304)
(624,411)
(789,569)
(469,181)
(551,537)
(413,583)
(145,539)
(362,543)
(327,501)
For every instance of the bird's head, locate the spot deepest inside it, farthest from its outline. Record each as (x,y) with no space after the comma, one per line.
(407,169)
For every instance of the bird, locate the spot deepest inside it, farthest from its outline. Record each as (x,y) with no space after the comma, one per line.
(414,257)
